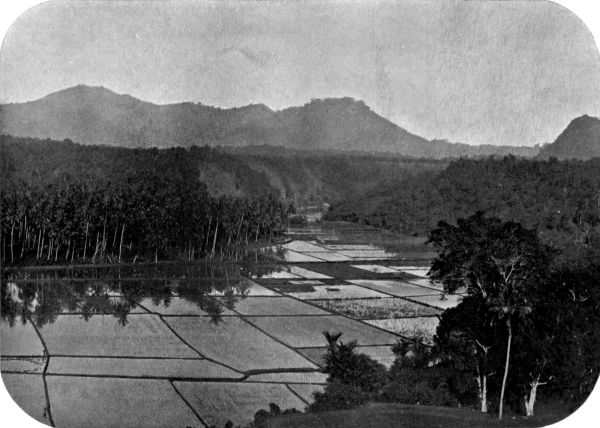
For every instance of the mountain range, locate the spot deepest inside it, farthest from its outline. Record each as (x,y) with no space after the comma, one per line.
(98,116)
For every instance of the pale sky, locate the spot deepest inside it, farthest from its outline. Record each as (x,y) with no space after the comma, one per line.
(511,73)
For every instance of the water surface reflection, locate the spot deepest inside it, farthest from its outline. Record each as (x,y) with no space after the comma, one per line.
(39,295)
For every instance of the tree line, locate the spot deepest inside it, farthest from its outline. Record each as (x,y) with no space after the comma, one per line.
(148,216)
(561,199)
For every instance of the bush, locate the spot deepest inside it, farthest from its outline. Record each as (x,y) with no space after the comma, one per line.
(338,396)
(414,380)
(421,392)
(345,365)
(262,416)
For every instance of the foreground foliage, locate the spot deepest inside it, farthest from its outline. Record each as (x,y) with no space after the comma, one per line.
(528,329)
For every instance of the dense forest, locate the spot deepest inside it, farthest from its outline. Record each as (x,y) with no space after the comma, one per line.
(561,199)
(132,205)
(302,177)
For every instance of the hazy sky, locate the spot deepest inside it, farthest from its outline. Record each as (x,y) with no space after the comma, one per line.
(476,72)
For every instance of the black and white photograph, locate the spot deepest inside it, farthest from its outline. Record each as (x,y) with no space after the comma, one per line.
(252,214)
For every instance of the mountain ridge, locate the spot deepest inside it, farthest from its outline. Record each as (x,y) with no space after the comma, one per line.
(97,115)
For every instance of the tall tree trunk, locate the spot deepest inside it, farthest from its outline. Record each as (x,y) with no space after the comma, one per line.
(208,234)
(103,242)
(212,253)
(121,244)
(484,403)
(25,238)
(482,389)
(68,249)
(114,242)
(505,368)
(36,243)
(530,401)
(39,245)
(12,233)
(237,238)
(97,247)
(87,225)
(43,243)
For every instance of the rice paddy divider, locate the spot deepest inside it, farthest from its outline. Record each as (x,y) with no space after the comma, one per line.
(277,340)
(47,355)
(297,395)
(188,404)
(384,292)
(285,382)
(335,313)
(178,336)
(195,350)
(148,377)
(127,357)
(422,303)
(401,318)
(22,357)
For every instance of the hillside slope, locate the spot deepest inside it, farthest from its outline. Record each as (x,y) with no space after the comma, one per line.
(300,176)
(579,140)
(98,116)
(552,196)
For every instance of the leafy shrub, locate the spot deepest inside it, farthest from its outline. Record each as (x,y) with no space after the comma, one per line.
(338,396)
(415,379)
(262,416)
(345,365)
(420,392)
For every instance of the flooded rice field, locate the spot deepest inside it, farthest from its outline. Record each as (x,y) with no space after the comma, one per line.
(191,345)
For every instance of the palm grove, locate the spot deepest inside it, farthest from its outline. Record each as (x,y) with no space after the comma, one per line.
(155,207)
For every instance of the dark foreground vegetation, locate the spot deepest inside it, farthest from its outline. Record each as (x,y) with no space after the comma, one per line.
(528,329)
(526,336)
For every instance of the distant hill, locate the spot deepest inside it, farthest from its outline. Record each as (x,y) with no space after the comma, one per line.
(305,177)
(579,140)
(96,115)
